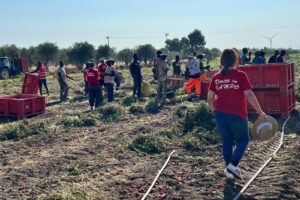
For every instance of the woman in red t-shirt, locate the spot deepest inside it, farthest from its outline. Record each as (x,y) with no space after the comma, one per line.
(228,94)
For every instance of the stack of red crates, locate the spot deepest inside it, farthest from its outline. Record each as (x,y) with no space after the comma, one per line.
(273,86)
(26,104)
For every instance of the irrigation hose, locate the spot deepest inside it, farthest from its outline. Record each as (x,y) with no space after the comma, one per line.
(265,164)
(157,176)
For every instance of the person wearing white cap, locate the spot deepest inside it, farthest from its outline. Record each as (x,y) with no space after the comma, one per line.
(109,79)
(228,94)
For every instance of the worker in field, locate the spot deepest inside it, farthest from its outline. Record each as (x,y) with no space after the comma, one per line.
(200,58)
(154,69)
(258,59)
(228,94)
(95,92)
(177,67)
(193,69)
(61,74)
(273,57)
(109,79)
(135,71)
(42,74)
(101,70)
(282,57)
(85,72)
(161,72)
(245,57)
(118,77)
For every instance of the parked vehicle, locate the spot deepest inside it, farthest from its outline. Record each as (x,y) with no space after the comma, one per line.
(10,67)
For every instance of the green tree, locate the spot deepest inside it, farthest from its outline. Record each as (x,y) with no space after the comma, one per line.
(146,52)
(173,45)
(215,53)
(184,43)
(197,40)
(125,55)
(9,51)
(105,51)
(80,53)
(63,55)
(47,52)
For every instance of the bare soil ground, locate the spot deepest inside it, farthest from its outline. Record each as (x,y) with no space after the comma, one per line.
(96,161)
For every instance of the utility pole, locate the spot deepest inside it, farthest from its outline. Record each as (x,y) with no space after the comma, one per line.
(167,34)
(271,39)
(107,37)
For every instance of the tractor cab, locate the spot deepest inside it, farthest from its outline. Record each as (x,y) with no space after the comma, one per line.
(10,67)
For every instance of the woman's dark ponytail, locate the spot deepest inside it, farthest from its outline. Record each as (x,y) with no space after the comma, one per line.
(228,59)
(225,70)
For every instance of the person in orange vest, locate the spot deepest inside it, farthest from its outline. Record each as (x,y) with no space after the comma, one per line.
(193,71)
(95,92)
(42,73)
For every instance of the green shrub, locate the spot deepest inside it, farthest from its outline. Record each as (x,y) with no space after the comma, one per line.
(65,194)
(200,116)
(149,144)
(22,130)
(152,107)
(206,137)
(76,121)
(128,101)
(167,133)
(191,143)
(181,109)
(111,112)
(136,109)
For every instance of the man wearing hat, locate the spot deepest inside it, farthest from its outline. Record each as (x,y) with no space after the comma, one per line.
(95,92)
(109,79)
(193,68)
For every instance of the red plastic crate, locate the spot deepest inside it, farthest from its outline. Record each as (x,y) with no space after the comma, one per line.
(22,105)
(275,75)
(30,84)
(278,75)
(178,82)
(255,75)
(204,88)
(275,102)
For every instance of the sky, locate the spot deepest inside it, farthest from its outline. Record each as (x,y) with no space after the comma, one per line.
(128,23)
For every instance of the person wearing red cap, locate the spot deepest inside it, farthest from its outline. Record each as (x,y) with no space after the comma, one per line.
(228,94)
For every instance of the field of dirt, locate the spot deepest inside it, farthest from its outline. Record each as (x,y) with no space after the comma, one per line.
(73,153)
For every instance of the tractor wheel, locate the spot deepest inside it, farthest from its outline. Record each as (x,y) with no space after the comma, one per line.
(4,73)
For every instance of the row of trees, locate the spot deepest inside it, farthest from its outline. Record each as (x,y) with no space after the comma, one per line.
(80,52)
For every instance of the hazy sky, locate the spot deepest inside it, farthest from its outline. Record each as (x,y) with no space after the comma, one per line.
(225,23)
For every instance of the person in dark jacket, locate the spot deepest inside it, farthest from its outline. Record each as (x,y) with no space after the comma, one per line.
(177,67)
(135,71)
(282,57)
(257,58)
(273,58)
